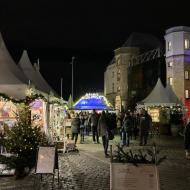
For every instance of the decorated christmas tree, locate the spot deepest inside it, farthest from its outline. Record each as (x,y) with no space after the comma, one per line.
(23,141)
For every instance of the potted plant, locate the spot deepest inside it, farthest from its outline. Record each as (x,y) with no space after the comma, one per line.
(135,168)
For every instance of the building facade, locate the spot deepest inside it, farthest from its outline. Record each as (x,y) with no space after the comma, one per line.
(177,52)
(123,85)
(116,77)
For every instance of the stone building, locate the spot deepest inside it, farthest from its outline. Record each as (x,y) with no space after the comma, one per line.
(177,52)
(116,76)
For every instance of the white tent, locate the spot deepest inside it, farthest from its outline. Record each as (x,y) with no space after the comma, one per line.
(161,96)
(12,81)
(33,74)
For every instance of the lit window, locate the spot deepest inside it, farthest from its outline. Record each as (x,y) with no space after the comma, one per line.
(170,64)
(186,75)
(169,46)
(112,74)
(118,88)
(170,80)
(186,43)
(112,87)
(186,93)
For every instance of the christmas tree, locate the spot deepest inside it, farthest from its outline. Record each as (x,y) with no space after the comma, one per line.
(23,141)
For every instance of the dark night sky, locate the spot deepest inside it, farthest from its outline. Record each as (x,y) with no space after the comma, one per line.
(90,30)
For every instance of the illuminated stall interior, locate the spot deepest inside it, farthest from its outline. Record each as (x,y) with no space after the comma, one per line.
(160,103)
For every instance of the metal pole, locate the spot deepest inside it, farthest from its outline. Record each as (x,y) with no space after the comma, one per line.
(72,78)
(61,88)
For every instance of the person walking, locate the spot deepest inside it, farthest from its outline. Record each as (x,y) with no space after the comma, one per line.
(126,129)
(2,136)
(136,121)
(94,123)
(82,128)
(103,131)
(145,124)
(75,127)
(119,124)
(86,125)
(187,140)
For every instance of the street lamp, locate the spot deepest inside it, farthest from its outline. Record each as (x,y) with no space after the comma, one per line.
(72,77)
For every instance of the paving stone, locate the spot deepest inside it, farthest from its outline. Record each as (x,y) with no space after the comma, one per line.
(89,169)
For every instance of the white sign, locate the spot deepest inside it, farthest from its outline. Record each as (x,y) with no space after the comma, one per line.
(129,177)
(68,122)
(46,160)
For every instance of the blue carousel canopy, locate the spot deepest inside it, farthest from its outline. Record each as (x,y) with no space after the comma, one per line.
(93,101)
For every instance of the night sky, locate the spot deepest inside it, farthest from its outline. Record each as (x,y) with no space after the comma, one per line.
(54,31)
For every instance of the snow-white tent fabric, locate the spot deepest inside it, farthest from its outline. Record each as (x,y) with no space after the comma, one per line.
(33,74)
(160,96)
(12,81)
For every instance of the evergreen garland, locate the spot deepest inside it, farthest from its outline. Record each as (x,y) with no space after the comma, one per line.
(147,156)
(28,99)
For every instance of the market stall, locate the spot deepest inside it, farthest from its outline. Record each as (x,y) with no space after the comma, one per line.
(161,103)
(92,101)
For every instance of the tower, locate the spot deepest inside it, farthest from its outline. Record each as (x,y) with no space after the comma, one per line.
(178,61)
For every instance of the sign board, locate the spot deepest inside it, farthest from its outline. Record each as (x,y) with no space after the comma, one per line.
(46,160)
(129,177)
(68,122)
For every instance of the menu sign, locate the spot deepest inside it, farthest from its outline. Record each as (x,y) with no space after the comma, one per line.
(131,177)
(46,160)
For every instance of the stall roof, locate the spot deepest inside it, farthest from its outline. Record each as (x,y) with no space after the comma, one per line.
(93,101)
(161,96)
(33,74)
(12,80)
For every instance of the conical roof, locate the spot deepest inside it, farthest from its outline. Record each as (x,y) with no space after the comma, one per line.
(33,75)
(9,72)
(144,41)
(159,96)
(12,80)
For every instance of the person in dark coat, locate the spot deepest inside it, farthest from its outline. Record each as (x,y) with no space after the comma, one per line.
(136,122)
(145,124)
(75,127)
(119,125)
(126,129)
(103,131)
(94,123)
(187,140)
(82,128)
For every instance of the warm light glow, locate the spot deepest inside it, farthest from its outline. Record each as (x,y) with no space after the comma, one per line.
(170,80)
(41,156)
(186,43)
(186,75)
(155,114)
(169,45)
(186,93)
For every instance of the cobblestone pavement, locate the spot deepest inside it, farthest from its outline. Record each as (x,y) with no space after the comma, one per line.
(89,169)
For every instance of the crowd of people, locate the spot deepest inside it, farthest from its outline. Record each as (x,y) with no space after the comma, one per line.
(128,126)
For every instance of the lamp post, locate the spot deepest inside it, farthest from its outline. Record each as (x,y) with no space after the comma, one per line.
(72,77)
(61,88)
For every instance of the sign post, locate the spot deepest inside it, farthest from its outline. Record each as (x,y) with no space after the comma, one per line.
(47,161)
